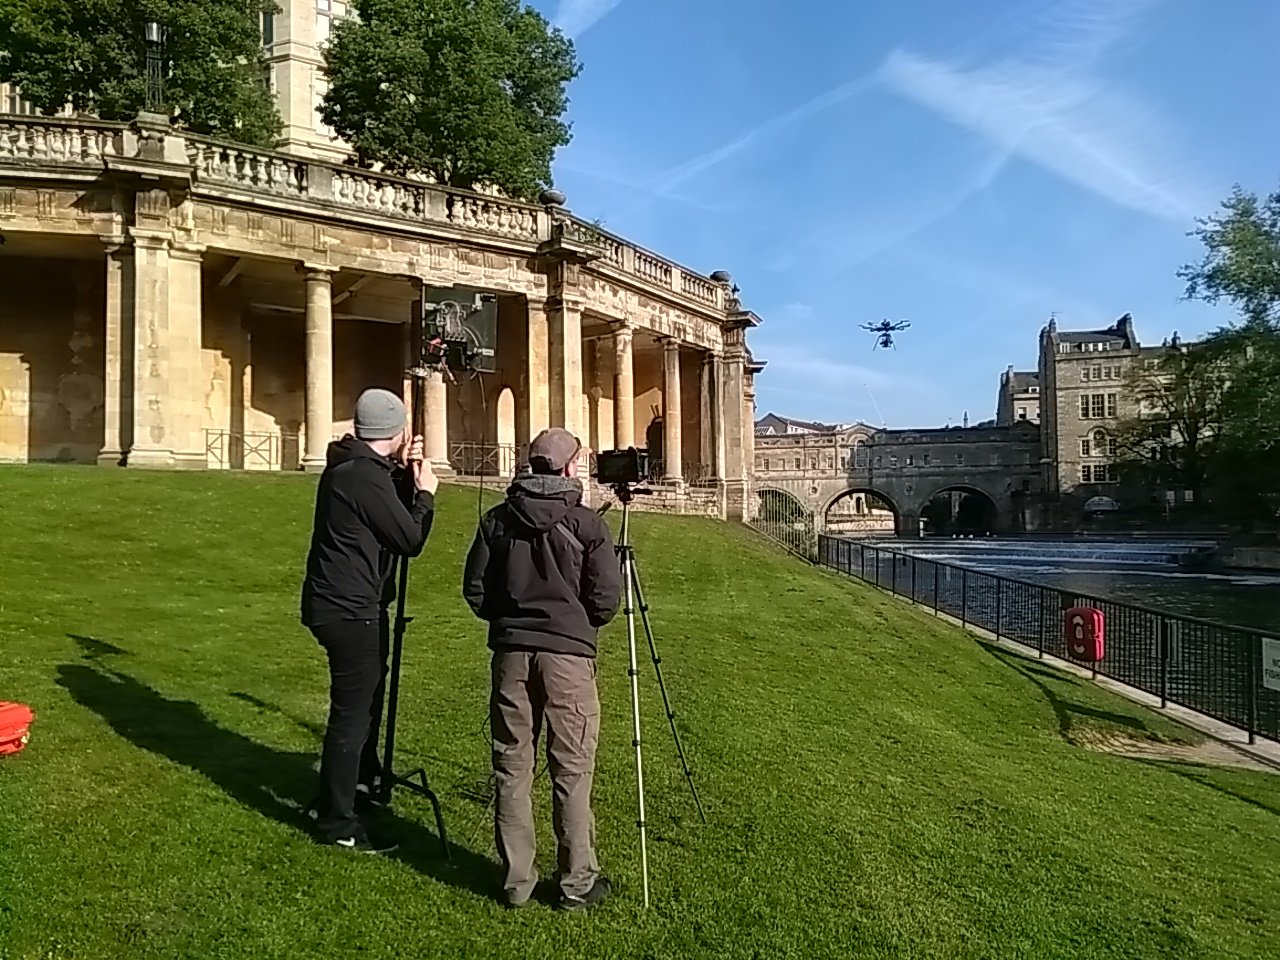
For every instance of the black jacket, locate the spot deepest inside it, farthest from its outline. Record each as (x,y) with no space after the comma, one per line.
(542,570)
(361,525)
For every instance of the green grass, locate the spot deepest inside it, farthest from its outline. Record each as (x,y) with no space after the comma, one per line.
(878,784)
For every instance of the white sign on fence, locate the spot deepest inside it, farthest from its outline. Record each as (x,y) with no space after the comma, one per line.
(1271,664)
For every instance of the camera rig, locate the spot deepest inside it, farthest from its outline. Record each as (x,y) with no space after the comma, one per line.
(459,329)
(624,471)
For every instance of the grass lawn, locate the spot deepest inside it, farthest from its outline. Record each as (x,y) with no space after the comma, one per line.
(877,783)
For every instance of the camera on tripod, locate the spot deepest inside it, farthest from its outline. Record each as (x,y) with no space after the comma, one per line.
(621,468)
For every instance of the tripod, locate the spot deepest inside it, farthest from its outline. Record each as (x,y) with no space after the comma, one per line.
(416,780)
(633,600)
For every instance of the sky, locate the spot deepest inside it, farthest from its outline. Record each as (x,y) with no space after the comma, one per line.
(970,167)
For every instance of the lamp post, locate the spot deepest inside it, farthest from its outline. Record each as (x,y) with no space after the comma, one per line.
(155,69)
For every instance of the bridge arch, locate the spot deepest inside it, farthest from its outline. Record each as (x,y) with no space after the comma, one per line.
(961,509)
(861,511)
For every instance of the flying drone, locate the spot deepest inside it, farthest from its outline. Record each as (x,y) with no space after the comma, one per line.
(884,331)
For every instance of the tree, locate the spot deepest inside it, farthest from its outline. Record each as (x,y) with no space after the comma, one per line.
(91,55)
(1242,265)
(1170,442)
(469,92)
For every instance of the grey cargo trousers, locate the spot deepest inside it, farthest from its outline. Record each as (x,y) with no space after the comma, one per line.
(528,687)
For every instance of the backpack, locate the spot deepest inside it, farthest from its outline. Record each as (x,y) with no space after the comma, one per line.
(15,726)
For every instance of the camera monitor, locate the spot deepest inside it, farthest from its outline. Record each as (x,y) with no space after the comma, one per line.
(460,324)
(616,467)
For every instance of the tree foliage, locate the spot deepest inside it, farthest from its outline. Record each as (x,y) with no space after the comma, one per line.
(1171,442)
(1242,257)
(470,92)
(91,55)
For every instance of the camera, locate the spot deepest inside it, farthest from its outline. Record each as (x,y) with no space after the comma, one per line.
(622,467)
(460,326)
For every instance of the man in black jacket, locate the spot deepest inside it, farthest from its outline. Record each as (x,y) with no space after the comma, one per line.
(361,526)
(543,573)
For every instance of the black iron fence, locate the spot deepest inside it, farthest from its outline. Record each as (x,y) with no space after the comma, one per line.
(1226,672)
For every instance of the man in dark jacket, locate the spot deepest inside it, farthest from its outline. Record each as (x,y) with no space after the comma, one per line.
(361,525)
(543,573)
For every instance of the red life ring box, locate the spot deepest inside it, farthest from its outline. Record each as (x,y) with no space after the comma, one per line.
(1085,630)
(15,726)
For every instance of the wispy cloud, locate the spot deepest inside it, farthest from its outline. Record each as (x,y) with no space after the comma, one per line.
(576,17)
(1051,108)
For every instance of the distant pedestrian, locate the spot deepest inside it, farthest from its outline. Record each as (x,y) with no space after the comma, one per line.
(542,571)
(362,524)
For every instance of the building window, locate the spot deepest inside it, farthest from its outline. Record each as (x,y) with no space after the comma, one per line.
(1097,407)
(925,459)
(1084,448)
(1022,413)
(893,463)
(959,459)
(1084,406)
(911,461)
(268,25)
(1112,447)
(1035,389)
(324,20)
(879,462)
(859,455)
(797,463)
(1086,474)
(813,463)
(1111,404)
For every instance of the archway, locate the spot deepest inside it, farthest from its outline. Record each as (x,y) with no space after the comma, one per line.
(505,409)
(960,512)
(785,518)
(860,513)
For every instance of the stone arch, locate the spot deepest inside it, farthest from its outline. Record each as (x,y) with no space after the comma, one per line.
(505,432)
(841,514)
(981,511)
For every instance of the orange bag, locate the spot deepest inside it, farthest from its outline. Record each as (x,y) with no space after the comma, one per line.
(15,726)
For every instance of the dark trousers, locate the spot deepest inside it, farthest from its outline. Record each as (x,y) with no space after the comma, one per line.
(357,652)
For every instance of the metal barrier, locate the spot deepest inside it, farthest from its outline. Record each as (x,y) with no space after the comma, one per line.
(484,459)
(234,450)
(1215,669)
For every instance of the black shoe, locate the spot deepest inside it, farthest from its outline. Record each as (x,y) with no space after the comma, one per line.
(361,842)
(598,893)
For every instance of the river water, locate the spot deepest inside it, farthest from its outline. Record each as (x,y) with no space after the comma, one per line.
(1138,572)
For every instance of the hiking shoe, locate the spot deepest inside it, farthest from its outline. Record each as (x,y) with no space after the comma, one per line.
(361,842)
(598,893)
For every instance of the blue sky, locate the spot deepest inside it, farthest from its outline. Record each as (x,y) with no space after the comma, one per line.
(969,165)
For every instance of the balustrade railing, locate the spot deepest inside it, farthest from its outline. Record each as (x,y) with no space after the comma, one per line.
(470,459)
(236,450)
(217,163)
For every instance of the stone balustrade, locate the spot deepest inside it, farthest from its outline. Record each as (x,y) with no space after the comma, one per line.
(28,142)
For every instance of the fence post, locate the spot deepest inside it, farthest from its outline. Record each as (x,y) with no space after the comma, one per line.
(913,579)
(862,563)
(1040,619)
(964,596)
(999,611)
(876,550)
(935,588)
(893,574)
(1162,638)
(1254,646)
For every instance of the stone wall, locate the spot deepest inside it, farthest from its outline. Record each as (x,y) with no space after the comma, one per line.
(52,324)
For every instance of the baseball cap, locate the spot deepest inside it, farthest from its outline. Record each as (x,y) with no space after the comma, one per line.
(552,450)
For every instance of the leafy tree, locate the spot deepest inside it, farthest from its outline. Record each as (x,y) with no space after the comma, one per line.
(1170,442)
(1242,257)
(470,92)
(91,55)
(1242,265)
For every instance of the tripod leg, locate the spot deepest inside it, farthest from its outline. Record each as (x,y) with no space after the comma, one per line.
(635,711)
(393,683)
(435,806)
(634,572)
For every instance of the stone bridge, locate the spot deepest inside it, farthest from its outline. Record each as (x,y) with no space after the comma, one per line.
(906,470)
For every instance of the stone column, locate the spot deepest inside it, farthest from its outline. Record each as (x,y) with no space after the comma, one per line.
(152,444)
(735,471)
(536,415)
(435,428)
(188,380)
(624,400)
(564,349)
(118,347)
(319,352)
(713,415)
(671,440)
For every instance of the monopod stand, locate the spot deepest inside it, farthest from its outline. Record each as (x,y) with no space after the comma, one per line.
(416,780)
(633,600)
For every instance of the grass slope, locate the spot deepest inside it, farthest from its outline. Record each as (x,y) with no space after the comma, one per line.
(878,784)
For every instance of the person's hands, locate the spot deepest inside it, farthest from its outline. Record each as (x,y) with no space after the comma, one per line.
(411,451)
(424,478)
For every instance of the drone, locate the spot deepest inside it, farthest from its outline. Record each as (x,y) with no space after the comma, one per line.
(884,331)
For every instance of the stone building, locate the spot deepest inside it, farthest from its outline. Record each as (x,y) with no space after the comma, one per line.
(1019,398)
(170,300)
(1083,402)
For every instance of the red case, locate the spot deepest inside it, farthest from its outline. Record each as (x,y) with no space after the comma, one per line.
(1085,628)
(15,726)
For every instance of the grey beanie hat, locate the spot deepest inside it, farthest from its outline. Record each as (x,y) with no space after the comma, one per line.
(380,415)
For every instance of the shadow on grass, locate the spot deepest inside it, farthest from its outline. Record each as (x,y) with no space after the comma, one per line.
(1066,710)
(312,728)
(1203,776)
(275,783)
